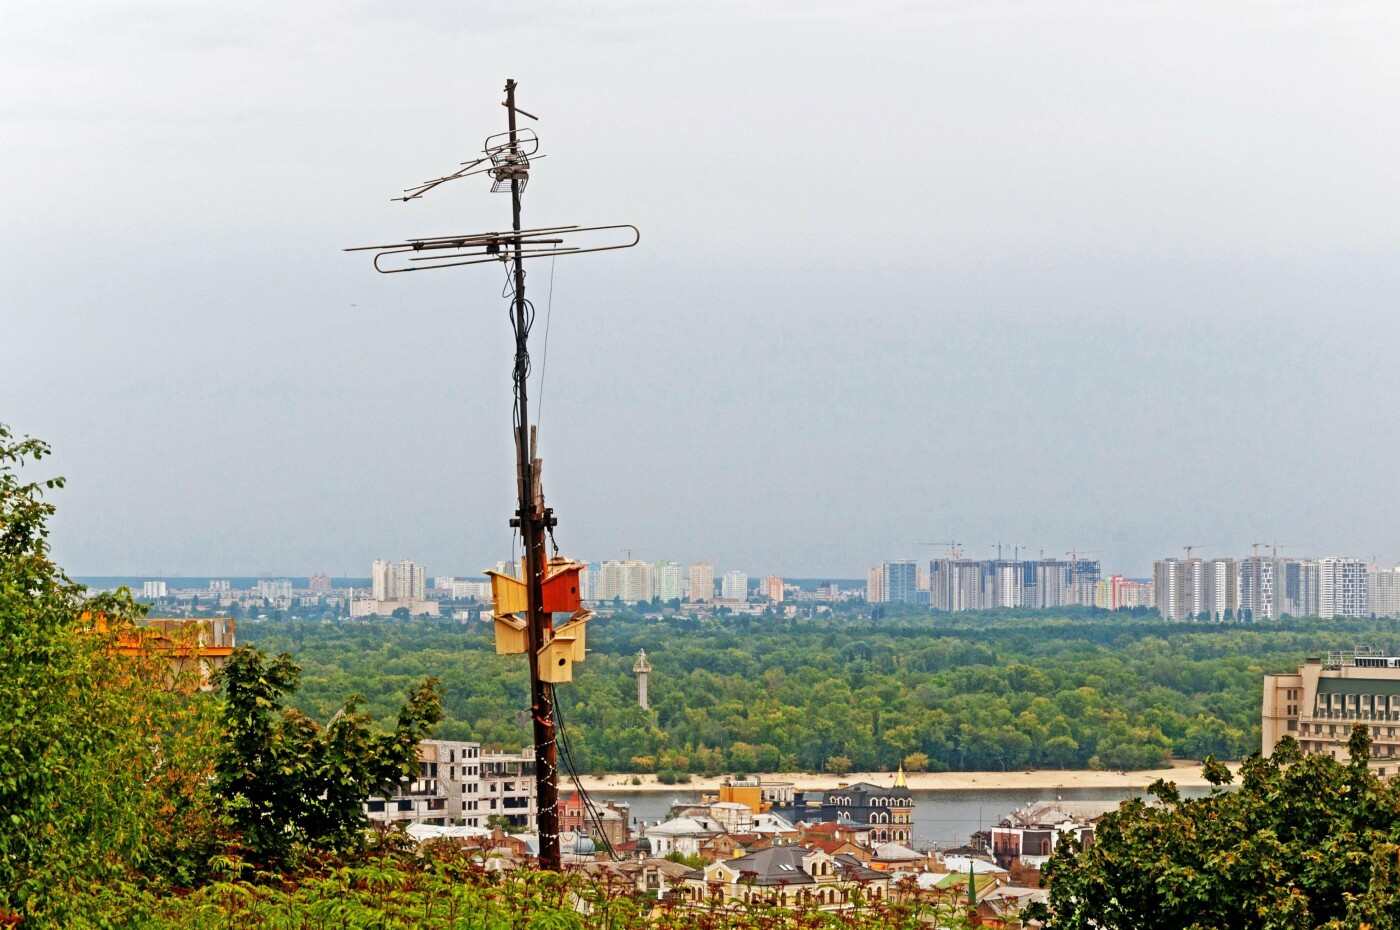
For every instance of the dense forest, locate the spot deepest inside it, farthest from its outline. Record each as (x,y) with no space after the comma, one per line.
(985,691)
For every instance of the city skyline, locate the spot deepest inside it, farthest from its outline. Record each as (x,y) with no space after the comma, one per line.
(1122,273)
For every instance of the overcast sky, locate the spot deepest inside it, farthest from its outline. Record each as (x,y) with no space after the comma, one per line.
(1117,276)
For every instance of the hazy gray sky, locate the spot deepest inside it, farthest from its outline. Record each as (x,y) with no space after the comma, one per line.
(1112,275)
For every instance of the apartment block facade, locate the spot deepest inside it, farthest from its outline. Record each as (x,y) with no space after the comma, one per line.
(458,784)
(1320,703)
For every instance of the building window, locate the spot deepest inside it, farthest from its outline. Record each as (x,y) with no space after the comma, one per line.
(405,805)
(376,806)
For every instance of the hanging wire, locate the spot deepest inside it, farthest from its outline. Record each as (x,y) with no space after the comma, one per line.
(591,811)
(544,353)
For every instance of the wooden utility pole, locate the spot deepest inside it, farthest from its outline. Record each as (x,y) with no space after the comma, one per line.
(523,608)
(533,519)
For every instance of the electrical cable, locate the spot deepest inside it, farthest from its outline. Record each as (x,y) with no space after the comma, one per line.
(544,354)
(591,811)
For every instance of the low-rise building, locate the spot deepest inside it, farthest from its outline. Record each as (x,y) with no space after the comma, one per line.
(787,876)
(458,784)
(888,811)
(1320,703)
(1029,835)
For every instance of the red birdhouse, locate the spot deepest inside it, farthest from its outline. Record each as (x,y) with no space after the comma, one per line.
(561,589)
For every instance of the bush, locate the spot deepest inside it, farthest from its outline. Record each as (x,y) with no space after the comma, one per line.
(666,777)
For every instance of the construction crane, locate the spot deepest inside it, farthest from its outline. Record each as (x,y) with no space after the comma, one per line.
(1276,546)
(1191,547)
(1074,554)
(953,551)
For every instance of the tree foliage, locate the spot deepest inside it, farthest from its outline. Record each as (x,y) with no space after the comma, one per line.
(286,781)
(1304,842)
(994,691)
(104,760)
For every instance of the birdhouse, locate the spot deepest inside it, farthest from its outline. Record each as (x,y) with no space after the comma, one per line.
(511,636)
(574,632)
(508,594)
(561,588)
(556,661)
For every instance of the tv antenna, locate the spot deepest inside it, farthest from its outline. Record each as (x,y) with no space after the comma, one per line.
(548,585)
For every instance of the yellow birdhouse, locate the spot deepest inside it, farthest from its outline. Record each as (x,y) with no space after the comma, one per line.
(576,633)
(508,594)
(510,635)
(556,661)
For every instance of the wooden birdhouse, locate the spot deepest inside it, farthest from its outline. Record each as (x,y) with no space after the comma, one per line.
(556,661)
(511,638)
(508,594)
(575,632)
(561,592)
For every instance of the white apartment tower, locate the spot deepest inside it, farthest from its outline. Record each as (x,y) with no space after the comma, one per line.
(1383,590)
(1341,588)
(735,586)
(667,580)
(1222,599)
(636,581)
(609,584)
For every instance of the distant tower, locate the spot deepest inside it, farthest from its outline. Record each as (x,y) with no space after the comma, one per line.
(641,667)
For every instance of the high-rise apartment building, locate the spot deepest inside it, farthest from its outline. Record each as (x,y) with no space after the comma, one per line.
(274,589)
(1119,593)
(1169,578)
(319,583)
(1383,590)
(636,582)
(668,581)
(899,582)
(609,585)
(393,586)
(874,585)
(970,584)
(773,589)
(153,589)
(1222,594)
(588,581)
(701,588)
(1341,588)
(735,586)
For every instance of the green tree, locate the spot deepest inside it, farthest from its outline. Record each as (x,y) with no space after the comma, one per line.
(838,765)
(102,764)
(1304,842)
(286,781)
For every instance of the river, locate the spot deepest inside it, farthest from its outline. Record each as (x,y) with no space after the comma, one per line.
(941,818)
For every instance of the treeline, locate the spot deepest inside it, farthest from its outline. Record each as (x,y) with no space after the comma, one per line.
(988,691)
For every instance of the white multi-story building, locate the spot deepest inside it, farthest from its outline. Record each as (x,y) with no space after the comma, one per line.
(471,590)
(278,589)
(1222,595)
(153,589)
(668,580)
(735,586)
(636,581)
(702,583)
(608,586)
(218,587)
(1383,590)
(460,785)
(394,586)
(1341,588)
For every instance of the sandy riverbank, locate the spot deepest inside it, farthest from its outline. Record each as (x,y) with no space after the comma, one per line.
(1185,774)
